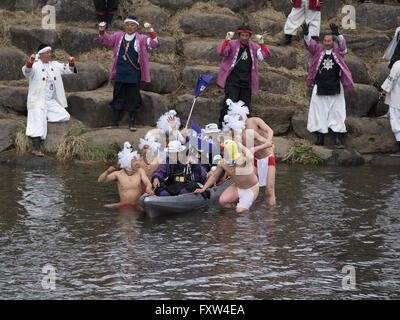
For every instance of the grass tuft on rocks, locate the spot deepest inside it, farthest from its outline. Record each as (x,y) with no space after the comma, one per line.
(22,142)
(302,153)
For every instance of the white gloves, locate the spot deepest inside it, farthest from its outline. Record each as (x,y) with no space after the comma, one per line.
(148,27)
(260,39)
(102,26)
(229,35)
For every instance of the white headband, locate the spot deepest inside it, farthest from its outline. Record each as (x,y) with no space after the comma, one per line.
(131,20)
(42,51)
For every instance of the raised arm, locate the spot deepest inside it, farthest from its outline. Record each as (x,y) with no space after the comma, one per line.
(224,48)
(152,40)
(262,52)
(27,69)
(341,39)
(108,176)
(264,142)
(104,38)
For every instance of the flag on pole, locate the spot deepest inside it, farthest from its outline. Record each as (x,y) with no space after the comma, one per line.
(199,139)
(202,82)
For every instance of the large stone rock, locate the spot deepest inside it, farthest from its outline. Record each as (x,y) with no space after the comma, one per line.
(238,4)
(361,100)
(330,9)
(174,4)
(368,135)
(385,161)
(167,45)
(78,40)
(26,161)
(205,110)
(75,10)
(377,16)
(191,73)
(163,79)
(358,69)
(101,138)
(89,77)
(382,72)
(29,39)
(14,98)
(24,5)
(278,118)
(11,63)
(270,27)
(8,129)
(282,58)
(372,46)
(299,125)
(56,132)
(209,25)
(283,6)
(154,15)
(93,108)
(345,157)
(204,50)
(274,83)
(282,147)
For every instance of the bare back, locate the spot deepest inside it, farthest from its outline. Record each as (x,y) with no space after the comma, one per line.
(259,126)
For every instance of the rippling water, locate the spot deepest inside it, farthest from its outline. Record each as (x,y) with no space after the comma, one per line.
(326,218)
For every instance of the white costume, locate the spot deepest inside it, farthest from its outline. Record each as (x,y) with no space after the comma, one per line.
(46,96)
(297,17)
(125,157)
(392,87)
(392,46)
(162,124)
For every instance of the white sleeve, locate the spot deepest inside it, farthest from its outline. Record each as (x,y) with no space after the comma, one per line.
(307,39)
(27,72)
(392,78)
(65,68)
(260,55)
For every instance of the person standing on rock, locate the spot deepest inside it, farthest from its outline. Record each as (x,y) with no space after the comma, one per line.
(391,93)
(130,66)
(238,72)
(308,11)
(105,11)
(329,76)
(393,44)
(46,95)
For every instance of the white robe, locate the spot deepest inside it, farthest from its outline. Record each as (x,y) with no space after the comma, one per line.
(298,15)
(392,87)
(392,46)
(42,105)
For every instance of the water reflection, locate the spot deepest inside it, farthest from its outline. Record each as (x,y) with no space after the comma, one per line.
(325,218)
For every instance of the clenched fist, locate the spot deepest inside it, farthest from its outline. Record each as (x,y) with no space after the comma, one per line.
(229,35)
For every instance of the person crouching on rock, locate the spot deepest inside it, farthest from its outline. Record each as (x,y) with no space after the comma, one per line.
(239,166)
(129,178)
(175,176)
(46,95)
(130,66)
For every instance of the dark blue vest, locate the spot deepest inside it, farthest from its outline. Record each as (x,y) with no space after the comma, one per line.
(126,72)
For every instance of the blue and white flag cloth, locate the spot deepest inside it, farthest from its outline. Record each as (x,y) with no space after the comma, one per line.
(202,82)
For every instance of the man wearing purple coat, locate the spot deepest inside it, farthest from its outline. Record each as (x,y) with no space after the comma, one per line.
(238,72)
(130,66)
(329,76)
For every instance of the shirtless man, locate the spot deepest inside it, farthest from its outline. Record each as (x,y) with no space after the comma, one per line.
(150,161)
(129,179)
(264,160)
(239,168)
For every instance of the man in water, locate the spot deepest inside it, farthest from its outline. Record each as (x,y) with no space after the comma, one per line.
(150,159)
(129,179)
(264,160)
(239,166)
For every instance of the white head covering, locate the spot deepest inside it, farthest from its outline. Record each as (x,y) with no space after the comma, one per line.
(45,49)
(131,20)
(174,146)
(233,122)
(238,108)
(163,124)
(392,46)
(126,155)
(151,141)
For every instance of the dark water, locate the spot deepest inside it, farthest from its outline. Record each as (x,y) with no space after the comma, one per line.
(326,218)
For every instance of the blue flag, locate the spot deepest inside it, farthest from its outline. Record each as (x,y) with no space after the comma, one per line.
(199,139)
(202,82)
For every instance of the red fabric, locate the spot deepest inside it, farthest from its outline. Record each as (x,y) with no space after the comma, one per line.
(245,31)
(264,48)
(72,63)
(125,205)
(101,32)
(29,65)
(153,35)
(100,13)
(271,162)
(111,12)
(143,190)
(224,45)
(313,4)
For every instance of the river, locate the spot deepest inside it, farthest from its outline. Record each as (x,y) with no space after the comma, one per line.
(328,221)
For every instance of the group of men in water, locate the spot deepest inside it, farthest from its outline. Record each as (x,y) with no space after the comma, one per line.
(175,169)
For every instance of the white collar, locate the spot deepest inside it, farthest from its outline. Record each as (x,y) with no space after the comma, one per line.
(328,51)
(130,37)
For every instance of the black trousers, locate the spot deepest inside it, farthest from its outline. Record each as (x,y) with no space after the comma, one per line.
(126,97)
(235,94)
(106,9)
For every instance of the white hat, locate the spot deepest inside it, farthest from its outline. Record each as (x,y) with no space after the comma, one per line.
(150,141)
(126,155)
(174,146)
(233,122)
(162,122)
(211,128)
(238,109)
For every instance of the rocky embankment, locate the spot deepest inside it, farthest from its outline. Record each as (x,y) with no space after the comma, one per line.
(190,32)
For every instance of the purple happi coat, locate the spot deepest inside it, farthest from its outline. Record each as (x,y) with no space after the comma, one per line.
(318,53)
(114,41)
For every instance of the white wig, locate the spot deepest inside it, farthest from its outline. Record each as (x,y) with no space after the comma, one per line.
(238,108)
(163,124)
(126,155)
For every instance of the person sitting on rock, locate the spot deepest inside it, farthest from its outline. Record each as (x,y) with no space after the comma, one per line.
(391,94)
(130,66)
(329,76)
(106,9)
(239,166)
(46,95)
(175,176)
(238,72)
(308,11)
(129,178)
